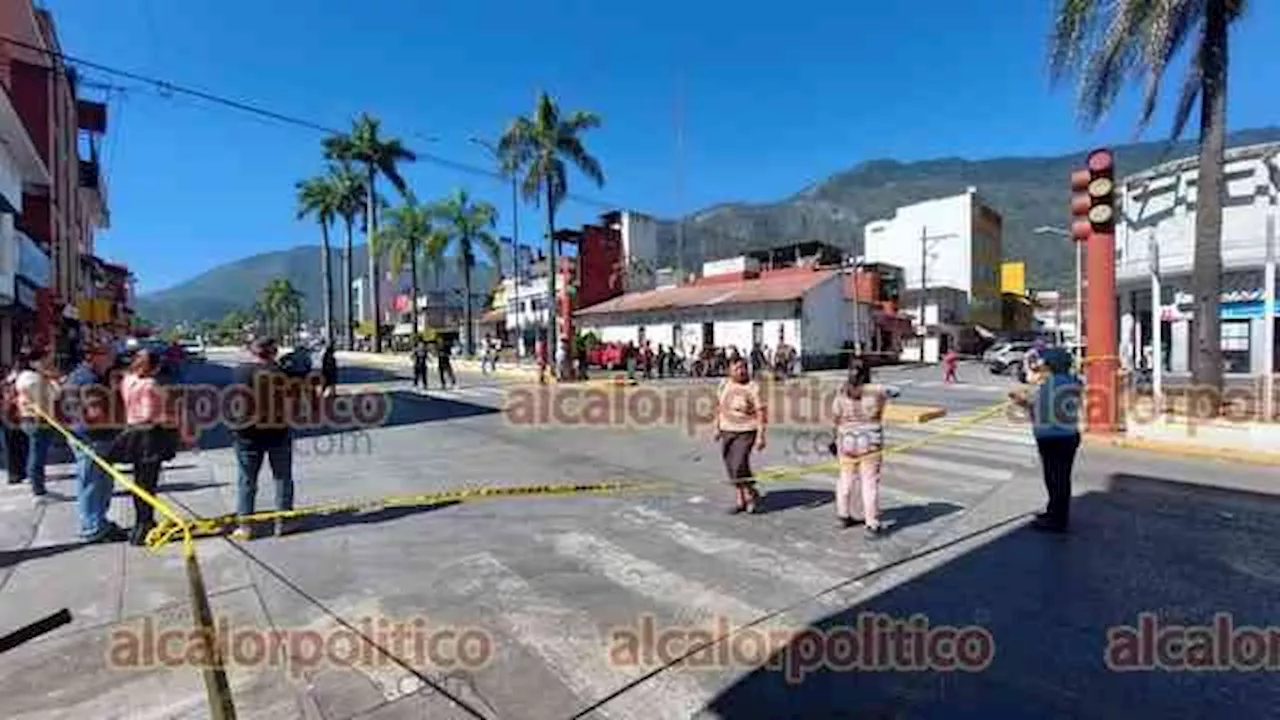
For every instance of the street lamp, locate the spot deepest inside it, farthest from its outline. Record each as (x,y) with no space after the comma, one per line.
(853,263)
(1047,230)
(515,236)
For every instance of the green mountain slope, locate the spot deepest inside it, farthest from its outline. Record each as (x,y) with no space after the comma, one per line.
(1028,192)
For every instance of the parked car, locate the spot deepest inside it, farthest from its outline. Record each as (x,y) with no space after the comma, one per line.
(606,355)
(1008,357)
(193,351)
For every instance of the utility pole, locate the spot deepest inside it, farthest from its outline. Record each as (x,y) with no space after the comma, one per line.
(1157,338)
(925,240)
(1269,319)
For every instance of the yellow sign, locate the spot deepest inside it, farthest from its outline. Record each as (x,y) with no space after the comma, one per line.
(1013,278)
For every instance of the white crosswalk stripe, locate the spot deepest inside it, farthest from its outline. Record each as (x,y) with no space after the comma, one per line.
(568,642)
(654,555)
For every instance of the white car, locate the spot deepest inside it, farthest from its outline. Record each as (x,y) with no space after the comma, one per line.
(193,351)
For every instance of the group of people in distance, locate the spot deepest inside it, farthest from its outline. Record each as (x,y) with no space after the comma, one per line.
(857,413)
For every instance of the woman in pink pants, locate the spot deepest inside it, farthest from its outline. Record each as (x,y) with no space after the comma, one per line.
(859,433)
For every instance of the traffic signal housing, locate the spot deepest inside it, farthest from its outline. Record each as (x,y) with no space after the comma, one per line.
(1093,206)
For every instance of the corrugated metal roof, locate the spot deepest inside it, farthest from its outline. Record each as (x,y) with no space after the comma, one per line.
(767,288)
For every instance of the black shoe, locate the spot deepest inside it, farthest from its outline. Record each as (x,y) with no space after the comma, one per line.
(873,531)
(736,509)
(109,534)
(848,522)
(138,534)
(1045,524)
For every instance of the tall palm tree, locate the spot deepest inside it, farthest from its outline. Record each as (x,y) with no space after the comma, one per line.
(403,238)
(469,223)
(280,303)
(539,145)
(350,191)
(433,252)
(379,156)
(1107,44)
(318,198)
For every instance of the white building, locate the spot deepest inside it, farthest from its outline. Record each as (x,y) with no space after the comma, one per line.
(735,304)
(952,242)
(1158,206)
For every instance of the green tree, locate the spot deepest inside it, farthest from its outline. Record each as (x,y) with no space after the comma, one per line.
(407,233)
(538,146)
(352,193)
(280,304)
(1106,45)
(318,197)
(379,157)
(469,223)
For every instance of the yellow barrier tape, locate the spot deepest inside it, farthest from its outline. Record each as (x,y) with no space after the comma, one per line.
(173,522)
(791,473)
(206,527)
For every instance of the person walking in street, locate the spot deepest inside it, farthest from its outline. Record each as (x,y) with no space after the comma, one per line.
(15,440)
(857,413)
(154,430)
(91,410)
(37,391)
(328,371)
(949,362)
(1054,413)
(741,419)
(420,373)
(444,364)
(262,437)
(540,356)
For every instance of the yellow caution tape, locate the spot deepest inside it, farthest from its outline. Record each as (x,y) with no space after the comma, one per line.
(794,472)
(206,527)
(174,523)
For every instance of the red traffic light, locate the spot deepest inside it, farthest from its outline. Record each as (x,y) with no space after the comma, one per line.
(1100,161)
(1093,196)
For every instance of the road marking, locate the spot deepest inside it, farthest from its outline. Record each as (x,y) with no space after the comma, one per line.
(694,601)
(898,496)
(1018,437)
(568,642)
(978,472)
(806,576)
(980,450)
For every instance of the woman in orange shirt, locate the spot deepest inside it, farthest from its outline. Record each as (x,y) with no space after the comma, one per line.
(740,428)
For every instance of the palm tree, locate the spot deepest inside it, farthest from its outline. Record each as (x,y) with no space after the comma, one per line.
(538,145)
(280,304)
(350,191)
(1107,44)
(469,223)
(379,156)
(318,197)
(404,238)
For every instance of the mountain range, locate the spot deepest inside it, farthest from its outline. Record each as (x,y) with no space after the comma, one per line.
(1028,192)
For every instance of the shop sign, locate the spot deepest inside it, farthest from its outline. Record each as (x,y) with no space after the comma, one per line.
(1227,297)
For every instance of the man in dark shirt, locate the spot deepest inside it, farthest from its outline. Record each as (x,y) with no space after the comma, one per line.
(420,364)
(263,434)
(444,364)
(94,413)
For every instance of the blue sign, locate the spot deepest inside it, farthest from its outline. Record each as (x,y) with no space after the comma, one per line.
(1241,311)
(33,263)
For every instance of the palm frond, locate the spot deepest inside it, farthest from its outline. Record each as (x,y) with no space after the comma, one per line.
(570,146)
(1190,93)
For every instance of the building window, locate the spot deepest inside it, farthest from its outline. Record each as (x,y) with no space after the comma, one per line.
(1235,336)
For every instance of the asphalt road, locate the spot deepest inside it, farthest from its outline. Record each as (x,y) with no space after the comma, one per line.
(556,592)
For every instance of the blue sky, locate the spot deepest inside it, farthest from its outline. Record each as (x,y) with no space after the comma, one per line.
(769,98)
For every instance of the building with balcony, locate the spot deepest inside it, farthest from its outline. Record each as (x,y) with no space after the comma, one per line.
(62,208)
(1158,211)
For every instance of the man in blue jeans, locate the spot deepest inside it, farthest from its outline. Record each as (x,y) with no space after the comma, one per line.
(263,435)
(92,413)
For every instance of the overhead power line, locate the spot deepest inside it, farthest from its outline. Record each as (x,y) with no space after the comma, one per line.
(166,88)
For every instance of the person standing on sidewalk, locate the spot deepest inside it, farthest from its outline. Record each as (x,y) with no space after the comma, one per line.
(1054,413)
(741,419)
(420,373)
(263,435)
(37,388)
(15,440)
(857,413)
(91,407)
(154,430)
(540,356)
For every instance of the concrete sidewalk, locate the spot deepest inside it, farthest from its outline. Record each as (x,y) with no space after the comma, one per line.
(1243,441)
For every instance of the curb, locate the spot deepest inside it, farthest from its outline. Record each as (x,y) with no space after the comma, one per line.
(1165,447)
